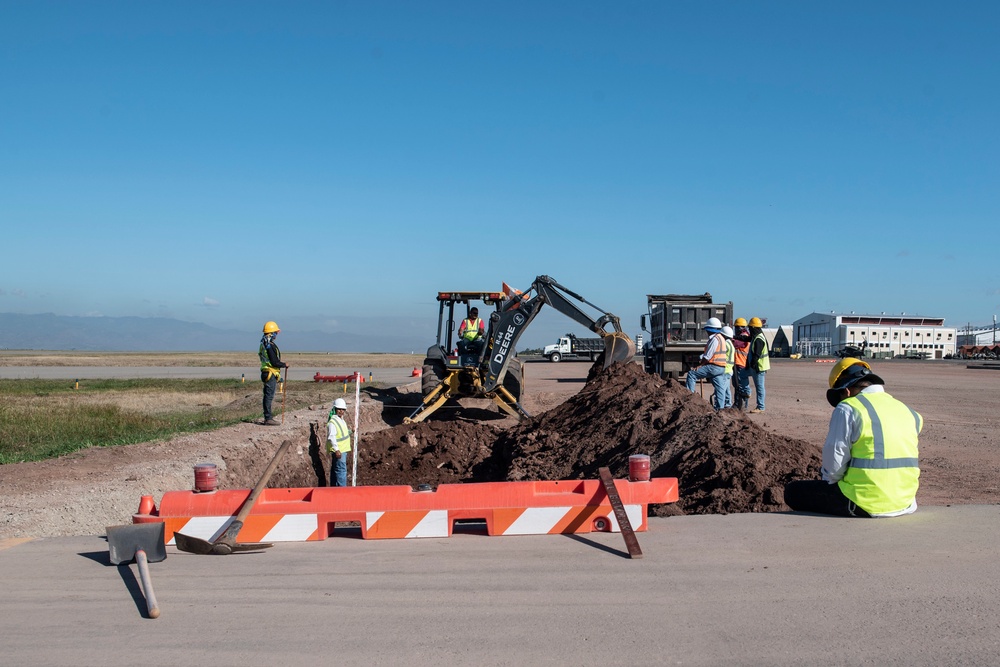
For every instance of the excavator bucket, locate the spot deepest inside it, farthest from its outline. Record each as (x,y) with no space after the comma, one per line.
(618,347)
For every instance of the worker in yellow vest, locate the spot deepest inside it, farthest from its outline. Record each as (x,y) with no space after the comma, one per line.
(713,363)
(758,361)
(270,368)
(727,333)
(338,443)
(870,466)
(471,334)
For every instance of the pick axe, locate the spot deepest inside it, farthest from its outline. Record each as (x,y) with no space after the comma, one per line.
(226,543)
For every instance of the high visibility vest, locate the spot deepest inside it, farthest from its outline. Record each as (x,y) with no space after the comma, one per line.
(265,362)
(740,357)
(719,356)
(884,474)
(338,434)
(763,362)
(730,355)
(471,328)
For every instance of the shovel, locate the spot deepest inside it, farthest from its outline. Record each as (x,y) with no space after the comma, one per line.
(144,542)
(226,543)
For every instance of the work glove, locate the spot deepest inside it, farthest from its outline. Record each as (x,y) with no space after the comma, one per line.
(337,453)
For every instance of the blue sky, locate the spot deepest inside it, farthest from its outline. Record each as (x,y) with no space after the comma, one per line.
(332,165)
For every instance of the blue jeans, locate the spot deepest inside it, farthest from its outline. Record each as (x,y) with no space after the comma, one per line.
(758,383)
(338,470)
(717,374)
(742,387)
(269,388)
(727,401)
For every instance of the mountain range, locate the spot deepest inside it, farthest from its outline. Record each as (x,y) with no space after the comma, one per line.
(159,334)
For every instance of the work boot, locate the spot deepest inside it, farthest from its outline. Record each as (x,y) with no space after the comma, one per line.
(271,422)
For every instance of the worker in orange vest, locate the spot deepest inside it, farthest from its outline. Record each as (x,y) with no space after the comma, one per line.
(741,379)
(713,366)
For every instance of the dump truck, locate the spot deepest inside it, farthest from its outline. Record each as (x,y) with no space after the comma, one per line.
(494,372)
(572,347)
(676,327)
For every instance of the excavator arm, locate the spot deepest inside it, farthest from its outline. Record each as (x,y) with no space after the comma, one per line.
(517,312)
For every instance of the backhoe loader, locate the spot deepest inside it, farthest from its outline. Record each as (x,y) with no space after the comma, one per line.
(495,372)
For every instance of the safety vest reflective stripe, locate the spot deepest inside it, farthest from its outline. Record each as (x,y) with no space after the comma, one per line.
(341,434)
(719,356)
(471,328)
(730,355)
(883,475)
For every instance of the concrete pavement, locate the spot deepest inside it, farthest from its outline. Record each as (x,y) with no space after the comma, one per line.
(745,589)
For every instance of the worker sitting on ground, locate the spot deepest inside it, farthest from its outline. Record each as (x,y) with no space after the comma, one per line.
(471,335)
(870,466)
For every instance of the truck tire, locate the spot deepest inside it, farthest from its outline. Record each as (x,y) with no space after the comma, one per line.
(513,380)
(432,374)
(555,357)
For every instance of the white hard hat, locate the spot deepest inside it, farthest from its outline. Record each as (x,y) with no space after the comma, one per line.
(727,331)
(340,404)
(713,323)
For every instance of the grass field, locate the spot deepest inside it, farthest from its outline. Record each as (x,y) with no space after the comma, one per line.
(41,419)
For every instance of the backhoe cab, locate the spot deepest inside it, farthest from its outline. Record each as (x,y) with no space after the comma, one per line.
(496,373)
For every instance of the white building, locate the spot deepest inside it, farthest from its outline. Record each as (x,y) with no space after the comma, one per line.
(881,336)
(978,336)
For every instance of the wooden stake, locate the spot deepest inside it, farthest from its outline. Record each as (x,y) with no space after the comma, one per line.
(623,522)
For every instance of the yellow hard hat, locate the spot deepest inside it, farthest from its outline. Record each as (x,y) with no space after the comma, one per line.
(755,322)
(740,322)
(843,374)
(271,327)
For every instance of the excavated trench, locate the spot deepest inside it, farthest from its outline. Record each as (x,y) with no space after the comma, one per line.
(724,462)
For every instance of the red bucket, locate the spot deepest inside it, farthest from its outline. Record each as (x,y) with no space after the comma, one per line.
(206,477)
(638,468)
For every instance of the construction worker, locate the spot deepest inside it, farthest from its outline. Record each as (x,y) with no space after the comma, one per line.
(758,361)
(713,366)
(471,334)
(741,378)
(727,332)
(870,466)
(338,443)
(270,368)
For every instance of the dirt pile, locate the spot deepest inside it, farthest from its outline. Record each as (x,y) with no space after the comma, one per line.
(724,462)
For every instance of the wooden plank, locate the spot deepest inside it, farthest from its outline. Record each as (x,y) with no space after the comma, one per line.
(616,504)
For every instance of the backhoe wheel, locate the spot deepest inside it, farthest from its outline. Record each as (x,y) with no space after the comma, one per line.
(432,374)
(513,381)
